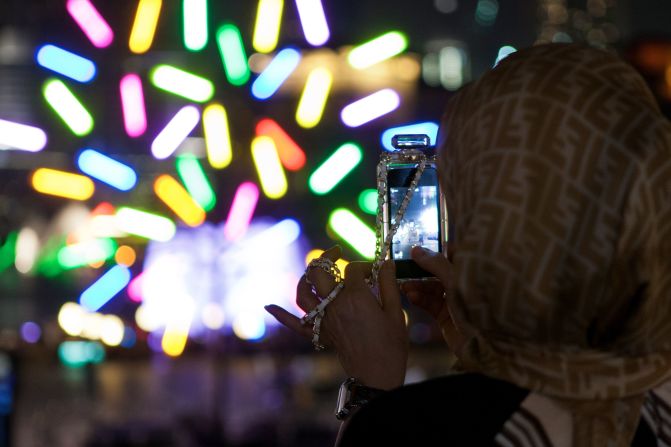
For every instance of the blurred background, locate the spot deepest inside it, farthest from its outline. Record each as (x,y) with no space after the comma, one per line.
(167,168)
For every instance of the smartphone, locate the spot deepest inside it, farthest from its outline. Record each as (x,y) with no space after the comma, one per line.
(424,222)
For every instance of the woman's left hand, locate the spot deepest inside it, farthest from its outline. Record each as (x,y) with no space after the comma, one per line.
(370,339)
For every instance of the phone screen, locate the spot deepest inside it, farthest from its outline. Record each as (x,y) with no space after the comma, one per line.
(421,222)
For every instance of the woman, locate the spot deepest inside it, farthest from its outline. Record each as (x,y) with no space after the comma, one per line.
(556,166)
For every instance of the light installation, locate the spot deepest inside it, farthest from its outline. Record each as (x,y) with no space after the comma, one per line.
(277,152)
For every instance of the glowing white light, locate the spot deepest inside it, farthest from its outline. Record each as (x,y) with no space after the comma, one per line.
(21,136)
(313,20)
(212,316)
(71,318)
(370,107)
(27,249)
(112,330)
(249,326)
(452,65)
(175,132)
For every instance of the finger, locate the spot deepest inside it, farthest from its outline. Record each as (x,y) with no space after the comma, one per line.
(431,287)
(389,291)
(305,299)
(322,280)
(356,273)
(289,320)
(434,263)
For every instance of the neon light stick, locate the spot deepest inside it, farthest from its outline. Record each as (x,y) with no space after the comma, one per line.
(353,231)
(132,105)
(269,167)
(105,288)
(175,132)
(178,199)
(290,153)
(370,107)
(67,107)
(429,128)
(91,22)
(177,332)
(21,136)
(192,175)
(144,26)
(144,224)
(83,253)
(107,170)
(383,47)
(267,25)
(335,168)
(313,20)
(182,83)
(241,212)
(274,75)
(66,63)
(233,56)
(217,136)
(62,184)
(195,24)
(368,201)
(313,99)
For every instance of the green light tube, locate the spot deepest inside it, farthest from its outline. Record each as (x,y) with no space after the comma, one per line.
(194,179)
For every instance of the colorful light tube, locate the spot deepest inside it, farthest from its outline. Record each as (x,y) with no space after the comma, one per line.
(233,56)
(195,24)
(182,83)
(370,107)
(276,237)
(175,132)
(178,199)
(62,184)
(8,251)
(27,250)
(267,25)
(353,231)
(217,136)
(66,63)
(176,333)
(313,21)
(374,51)
(429,128)
(132,105)
(274,75)
(335,168)
(193,176)
(91,22)
(68,107)
(107,170)
(144,26)
(269,167)
(144,224)
(290,153)
(368,201)
(21,136)
(313,99)
(241,212)
(105,288)
(83,253)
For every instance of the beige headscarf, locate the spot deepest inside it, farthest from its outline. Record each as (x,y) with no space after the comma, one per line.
(557,171)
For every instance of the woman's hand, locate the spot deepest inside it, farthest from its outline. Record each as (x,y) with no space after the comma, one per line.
(370,339)
(433,296)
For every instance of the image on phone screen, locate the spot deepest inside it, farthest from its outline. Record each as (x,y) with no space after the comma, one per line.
(421,222)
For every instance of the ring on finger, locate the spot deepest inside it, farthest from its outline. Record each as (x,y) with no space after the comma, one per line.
(328,266)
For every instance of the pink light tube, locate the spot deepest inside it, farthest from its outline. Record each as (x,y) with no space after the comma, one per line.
(91,22)
(242,210)
(132,104)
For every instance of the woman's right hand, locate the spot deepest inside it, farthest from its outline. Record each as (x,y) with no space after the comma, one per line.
(433,296)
